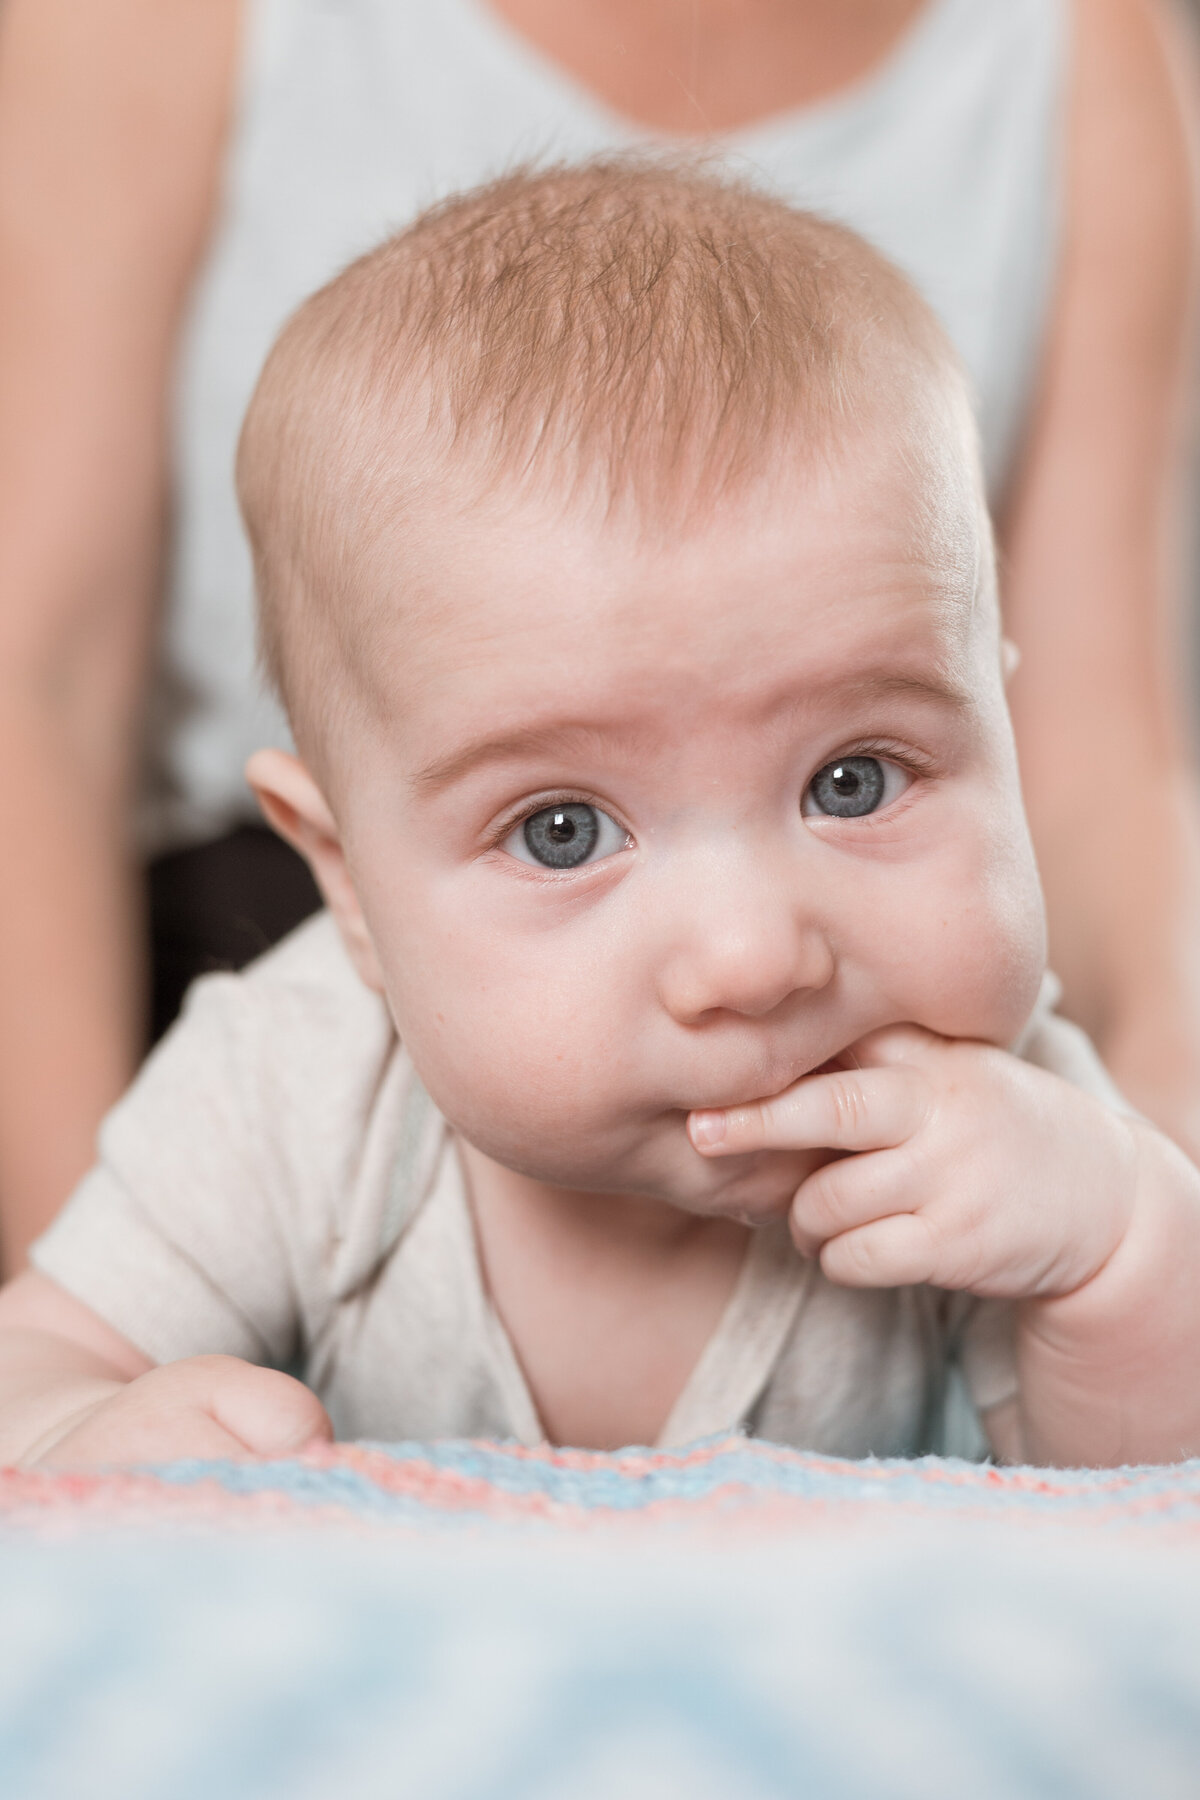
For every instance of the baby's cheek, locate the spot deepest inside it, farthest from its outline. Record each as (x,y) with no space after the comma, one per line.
(985,945)
(508,1051)
(528,1106)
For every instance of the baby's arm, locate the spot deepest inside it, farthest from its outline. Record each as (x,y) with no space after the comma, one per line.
(74,1392)
(972,1170)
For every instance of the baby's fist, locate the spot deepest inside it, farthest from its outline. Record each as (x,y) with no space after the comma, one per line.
(204,1406)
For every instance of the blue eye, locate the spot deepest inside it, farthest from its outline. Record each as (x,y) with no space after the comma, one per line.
(853,786)
(565,836)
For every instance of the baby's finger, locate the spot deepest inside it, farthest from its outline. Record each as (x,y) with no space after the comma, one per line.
(107,1437)
(847,1193)
(899,1251)
(848,1109)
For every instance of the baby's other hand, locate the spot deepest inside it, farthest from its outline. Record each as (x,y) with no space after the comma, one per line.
(964,1167)
(205,1406)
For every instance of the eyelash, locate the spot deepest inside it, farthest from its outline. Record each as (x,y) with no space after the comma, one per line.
(914,762)
(562,797)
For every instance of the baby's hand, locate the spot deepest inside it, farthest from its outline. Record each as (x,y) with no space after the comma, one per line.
(966,1168)
(208,1406)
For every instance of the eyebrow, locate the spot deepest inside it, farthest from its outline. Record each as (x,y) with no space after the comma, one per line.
(941,688)
(574,734)
(507,747)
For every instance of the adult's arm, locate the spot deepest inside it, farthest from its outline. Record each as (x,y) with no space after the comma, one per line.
(112,119)
(1092,569)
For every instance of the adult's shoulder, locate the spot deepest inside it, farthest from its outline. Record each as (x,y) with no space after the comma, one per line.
(1131,164)
(118,113)
(1083,524)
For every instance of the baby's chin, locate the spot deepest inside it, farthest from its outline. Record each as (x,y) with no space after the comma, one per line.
(753,1189)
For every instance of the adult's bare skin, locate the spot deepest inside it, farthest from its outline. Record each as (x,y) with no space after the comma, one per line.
(696,66)
(1092,550)
(112,123)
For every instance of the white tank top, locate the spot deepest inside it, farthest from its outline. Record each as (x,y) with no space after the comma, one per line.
(357,113)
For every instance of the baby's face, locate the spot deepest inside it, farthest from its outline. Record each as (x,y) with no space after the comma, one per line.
(638,827)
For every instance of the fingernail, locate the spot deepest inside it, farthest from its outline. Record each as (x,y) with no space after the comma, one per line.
(707,1129)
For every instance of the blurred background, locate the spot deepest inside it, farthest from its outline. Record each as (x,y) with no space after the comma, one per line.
(175,175)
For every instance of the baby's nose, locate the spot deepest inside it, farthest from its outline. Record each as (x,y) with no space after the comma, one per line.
(742,946)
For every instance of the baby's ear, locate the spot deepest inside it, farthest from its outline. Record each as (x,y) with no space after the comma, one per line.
(293,803)
(1010,658)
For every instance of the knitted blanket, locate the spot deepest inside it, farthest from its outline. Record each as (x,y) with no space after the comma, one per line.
(479,1622)
(730,1487)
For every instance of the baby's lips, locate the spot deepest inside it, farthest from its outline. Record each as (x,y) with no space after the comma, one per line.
(833,1065)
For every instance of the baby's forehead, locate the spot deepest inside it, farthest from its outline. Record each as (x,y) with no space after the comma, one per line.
(798,585)
(634,332)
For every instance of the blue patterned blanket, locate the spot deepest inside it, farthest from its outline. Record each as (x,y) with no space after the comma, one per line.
(475,1622)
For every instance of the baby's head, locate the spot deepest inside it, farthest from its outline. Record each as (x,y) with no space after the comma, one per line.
(624,567)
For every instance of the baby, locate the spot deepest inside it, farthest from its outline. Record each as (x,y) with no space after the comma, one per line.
(670,1059)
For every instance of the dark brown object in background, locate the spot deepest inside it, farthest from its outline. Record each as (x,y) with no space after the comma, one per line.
(218,906)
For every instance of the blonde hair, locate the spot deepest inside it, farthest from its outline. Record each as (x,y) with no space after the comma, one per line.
(637,328)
